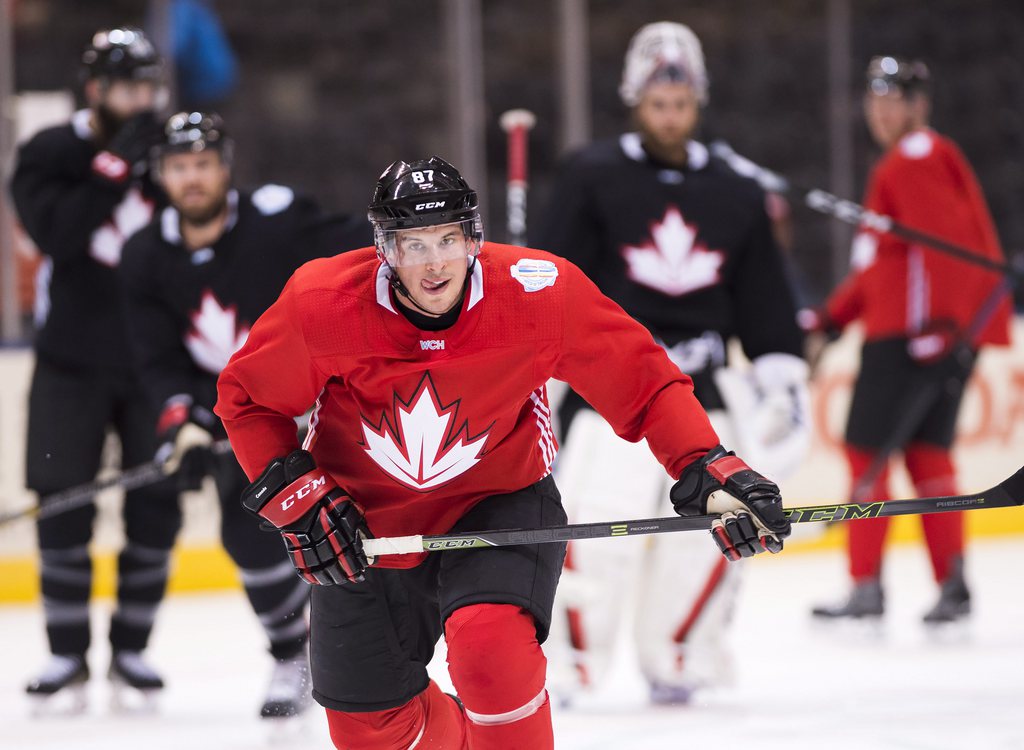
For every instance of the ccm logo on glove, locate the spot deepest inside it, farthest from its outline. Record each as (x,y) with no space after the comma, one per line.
(303,491)
(308,490)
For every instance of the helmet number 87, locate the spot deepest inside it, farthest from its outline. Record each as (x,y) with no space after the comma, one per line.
(419,177)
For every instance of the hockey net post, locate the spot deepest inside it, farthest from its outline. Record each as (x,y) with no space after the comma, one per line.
(517,124)
(1007,493)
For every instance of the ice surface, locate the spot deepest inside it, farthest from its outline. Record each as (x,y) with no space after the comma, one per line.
(799,685)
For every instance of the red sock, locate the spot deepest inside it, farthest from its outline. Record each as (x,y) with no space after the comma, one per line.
(430,720)
(931,468)
(866,538)
(498,669)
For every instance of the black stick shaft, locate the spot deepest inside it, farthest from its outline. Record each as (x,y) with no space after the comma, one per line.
(75,497)
(1006,494)
(850,212)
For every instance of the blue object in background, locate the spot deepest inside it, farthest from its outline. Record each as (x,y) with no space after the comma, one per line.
(205,65)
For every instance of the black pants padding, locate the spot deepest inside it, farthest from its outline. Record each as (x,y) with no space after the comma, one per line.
(887,385)
(70,412)
(371,642)
(278,599)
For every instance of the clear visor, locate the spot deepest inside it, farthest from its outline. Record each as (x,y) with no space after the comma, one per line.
(440,243)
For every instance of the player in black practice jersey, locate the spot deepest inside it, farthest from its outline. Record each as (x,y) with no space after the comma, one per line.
(80,189)
(685,245)
(196,279)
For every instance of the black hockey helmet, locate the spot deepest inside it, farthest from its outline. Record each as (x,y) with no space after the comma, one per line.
(423,193)
(192,132)
(125,53)
(886,74)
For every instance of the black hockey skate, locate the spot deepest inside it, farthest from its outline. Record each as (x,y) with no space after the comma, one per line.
(290,690)
(866,601)
(134,683)
(64,676)
(954,598)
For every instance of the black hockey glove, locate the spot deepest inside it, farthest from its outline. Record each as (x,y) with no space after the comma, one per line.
(750,508)
(130,145)
(323,528)
(185,432)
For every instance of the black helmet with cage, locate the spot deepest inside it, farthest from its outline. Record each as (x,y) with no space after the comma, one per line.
(121,53)
(887,74)
(422,193)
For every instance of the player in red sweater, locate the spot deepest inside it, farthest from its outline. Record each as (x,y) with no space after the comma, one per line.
(426,360)
(922,311)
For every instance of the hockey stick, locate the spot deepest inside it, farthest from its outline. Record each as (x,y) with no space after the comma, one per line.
(517,124)
(853,213)
(142,475)
(1007,493)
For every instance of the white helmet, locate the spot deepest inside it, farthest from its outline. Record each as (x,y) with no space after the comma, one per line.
(663,51)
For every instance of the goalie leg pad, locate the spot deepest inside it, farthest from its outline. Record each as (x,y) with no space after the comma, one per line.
(931,469)
(682,624)
(498,669)
(430,720)
(598,474)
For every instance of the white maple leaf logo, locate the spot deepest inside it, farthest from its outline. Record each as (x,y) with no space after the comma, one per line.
(129,216)
(672,262)
(420,444)
(215,334)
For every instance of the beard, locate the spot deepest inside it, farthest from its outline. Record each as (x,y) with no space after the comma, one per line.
(200,216)
(107,123)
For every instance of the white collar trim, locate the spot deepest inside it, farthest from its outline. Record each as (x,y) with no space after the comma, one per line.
(696,152)
(81,123)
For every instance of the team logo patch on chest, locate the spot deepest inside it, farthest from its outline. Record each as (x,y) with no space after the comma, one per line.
(673,261)
(534,275)
(216,333)
(420,442)
(129,216)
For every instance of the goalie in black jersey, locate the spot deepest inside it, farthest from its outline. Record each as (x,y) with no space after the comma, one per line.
(80,189)
(685,245)
(196,279)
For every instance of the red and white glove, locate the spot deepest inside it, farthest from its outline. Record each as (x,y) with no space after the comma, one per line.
(322,527)
(751,519)
(184,432)
(130,145)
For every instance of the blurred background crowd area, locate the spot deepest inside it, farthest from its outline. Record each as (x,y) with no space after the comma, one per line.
(323,94)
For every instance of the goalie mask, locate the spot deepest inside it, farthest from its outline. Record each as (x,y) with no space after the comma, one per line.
(425,193)
(663,52)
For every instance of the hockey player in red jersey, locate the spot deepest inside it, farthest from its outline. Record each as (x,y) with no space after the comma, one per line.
(427,358)
(684,244)
(917,305)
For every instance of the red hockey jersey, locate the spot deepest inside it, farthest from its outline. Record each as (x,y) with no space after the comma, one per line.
(418,426)
(898,288)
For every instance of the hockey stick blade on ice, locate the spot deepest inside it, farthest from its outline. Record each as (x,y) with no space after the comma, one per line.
(1005,494)
(56,503)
